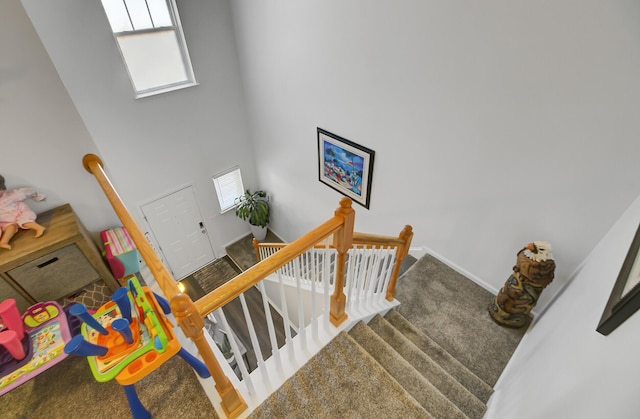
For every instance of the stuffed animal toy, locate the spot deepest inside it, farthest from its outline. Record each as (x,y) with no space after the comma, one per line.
(534,270)
(15,214)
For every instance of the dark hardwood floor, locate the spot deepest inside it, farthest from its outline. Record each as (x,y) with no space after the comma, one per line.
(236,319)
(235,316)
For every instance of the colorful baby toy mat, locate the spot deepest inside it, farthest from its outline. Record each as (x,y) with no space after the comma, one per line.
(46,331)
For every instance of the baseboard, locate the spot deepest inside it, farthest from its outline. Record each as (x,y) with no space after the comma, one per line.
(237,239)
(417,252)
(277,235)
(495,397)
(462,271)
(493,400)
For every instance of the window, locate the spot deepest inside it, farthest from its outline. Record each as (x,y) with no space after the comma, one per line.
(228,186)
(150,39)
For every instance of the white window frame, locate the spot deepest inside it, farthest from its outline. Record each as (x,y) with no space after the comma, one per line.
(176,28)
(227,196)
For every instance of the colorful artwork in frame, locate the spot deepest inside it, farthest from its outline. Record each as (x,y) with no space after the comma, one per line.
(345,166)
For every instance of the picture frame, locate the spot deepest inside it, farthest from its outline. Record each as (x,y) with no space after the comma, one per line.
(624,300)
(345,166)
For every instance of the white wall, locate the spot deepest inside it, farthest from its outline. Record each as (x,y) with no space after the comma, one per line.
(494,123)
(42,135)
(563,367)
(157,145)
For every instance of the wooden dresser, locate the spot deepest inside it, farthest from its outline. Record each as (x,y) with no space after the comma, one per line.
(61,262)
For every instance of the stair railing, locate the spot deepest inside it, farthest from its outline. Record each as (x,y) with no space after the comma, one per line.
(397,249)
(189,315)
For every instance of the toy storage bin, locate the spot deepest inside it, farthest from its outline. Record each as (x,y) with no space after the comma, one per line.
(120,251)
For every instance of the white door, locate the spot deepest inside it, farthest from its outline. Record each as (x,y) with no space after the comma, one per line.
(177,225)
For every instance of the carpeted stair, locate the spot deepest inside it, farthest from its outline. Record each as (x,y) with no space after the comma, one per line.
(399,368)
(375,370)
(341,381)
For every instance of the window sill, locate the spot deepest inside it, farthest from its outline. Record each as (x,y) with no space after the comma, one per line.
(165,90)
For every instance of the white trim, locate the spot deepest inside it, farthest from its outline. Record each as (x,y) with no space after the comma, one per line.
(148,230)
(484,284)
(185,51)
(167,89)
(495,396)
(219,191)
(181,49)
(417,252)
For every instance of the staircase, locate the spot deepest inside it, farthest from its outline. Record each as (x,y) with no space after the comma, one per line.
(391,368)
(386,368)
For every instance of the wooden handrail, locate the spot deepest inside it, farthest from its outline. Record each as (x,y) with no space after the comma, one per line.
(358,239)
(183,308)
(189,314)
(93,165)
(376,240)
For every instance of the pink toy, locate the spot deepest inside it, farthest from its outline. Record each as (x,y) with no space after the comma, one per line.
(15,214)
(11,318)
(9,339)
(44,330)
(11,336)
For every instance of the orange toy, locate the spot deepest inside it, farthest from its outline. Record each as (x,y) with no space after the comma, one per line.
(129,355)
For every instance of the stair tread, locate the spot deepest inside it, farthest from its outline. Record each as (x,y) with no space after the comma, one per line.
(353,384)
(451,309)
(454,402)
(440,356)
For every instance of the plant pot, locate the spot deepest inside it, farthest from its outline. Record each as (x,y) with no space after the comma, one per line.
(258,232)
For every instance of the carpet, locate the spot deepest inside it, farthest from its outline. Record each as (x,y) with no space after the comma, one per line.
(215,274)
(68,390)
(338,383)
(452,310)
(92,296)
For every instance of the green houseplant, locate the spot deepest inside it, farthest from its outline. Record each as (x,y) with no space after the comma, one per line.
(254,207)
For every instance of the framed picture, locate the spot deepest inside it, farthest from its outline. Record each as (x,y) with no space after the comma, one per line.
(345,166)
(625,297)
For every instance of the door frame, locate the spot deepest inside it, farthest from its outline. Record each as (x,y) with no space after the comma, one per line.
(148,231)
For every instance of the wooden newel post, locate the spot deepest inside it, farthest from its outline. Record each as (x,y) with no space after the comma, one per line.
(256,248)
(342,241)
(192,325)
(406,235)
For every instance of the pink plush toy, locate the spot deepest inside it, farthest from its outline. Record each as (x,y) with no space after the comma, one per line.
(15,214)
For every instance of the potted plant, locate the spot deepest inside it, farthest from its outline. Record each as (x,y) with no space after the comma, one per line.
(255,208)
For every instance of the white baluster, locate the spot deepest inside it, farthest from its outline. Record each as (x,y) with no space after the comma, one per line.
(254,339)
(326,278)
(246,377)
(390,264)
(313,276)
(351,266)
(301,323)
(371,275)
(285,316)
(362,277)
(272,332)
